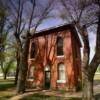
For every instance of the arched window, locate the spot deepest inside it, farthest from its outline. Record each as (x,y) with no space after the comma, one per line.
(61,72)
(33,50)
(59,46)
(31,72)
(47,68)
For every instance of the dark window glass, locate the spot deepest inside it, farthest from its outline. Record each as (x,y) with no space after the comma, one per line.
(59,46)
(33,50)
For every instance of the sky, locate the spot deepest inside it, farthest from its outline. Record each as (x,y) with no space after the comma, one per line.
(92,39)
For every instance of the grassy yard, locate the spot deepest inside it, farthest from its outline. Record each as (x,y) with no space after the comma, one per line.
(97,77)
(6,84)
(40,96)
(6,89)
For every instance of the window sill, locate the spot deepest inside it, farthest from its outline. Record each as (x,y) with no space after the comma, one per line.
(30,79)
(61,81)
(31,58)
(60,56)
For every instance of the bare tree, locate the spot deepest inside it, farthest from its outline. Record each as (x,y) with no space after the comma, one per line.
(4,39)
(83,14)
(26,15)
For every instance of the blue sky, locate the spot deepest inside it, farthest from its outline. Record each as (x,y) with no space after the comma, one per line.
(51,22)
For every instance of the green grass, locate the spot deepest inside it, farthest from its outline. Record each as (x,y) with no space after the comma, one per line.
(6,84)
(6,95)
(6,89)
(98,69)
(38,96)
(97,77)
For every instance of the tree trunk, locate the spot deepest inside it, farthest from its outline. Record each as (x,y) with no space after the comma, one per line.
(17,69)
(87,81)
(5,76)
(87,87)
(90,69)
(21,84)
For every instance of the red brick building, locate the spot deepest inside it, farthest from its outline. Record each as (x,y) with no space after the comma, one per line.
(54,60)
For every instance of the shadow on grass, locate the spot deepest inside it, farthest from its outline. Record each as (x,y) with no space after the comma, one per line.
(6,84)
(5,96)
(38,96)
(96,82)
(97,96)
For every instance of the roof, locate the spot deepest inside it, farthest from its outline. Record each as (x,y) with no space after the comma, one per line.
(57,29)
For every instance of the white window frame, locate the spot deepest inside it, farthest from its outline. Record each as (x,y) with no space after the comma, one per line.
(59,71)
(31,68)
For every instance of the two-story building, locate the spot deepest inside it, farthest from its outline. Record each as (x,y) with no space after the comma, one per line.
(54,60)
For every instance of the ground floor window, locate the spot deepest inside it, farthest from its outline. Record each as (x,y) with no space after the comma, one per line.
(31,72)
(61,73)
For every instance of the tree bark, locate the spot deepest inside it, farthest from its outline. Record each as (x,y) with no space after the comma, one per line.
(87,81)
(21,84)
(92,67)
(17,69)
(87,89)
(5,76)
(88,70)
(87,78)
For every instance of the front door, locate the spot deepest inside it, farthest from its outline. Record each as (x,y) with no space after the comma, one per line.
(47,79)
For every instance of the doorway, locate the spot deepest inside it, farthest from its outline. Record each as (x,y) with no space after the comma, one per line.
(47,77)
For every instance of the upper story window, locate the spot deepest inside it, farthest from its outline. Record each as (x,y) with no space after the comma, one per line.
(59,46)
(33,50)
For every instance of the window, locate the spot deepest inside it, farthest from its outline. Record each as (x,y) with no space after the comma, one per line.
(59,46)
(31,72)
(47,68)
(61,72)
(33,50)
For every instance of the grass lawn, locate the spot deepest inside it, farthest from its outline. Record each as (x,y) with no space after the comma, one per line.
(6,95)
(38,96)
(6,89)
(97,77)
(6,84)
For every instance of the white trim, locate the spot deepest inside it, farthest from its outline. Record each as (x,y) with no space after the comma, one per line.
(31,59)
(60,56)
(61,81)
(47,68)
(30,79)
